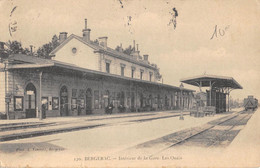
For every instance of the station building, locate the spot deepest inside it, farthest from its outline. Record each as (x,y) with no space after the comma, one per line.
(84,77)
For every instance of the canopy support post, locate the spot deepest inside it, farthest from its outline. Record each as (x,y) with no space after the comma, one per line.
(40,94)
(210,86)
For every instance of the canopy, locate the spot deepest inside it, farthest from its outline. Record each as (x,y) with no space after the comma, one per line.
(214,81)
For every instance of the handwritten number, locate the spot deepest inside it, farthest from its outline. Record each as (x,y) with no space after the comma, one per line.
(223,32)
(217,31)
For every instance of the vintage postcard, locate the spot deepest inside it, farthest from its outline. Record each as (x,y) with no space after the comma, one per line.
(129,83)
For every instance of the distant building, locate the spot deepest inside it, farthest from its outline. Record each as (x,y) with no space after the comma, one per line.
(84,77)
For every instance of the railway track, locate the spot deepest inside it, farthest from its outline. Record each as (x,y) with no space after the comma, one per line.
(215,136)
(219,132)
(211,137)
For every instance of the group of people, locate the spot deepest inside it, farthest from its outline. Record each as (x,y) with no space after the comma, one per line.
(109,109)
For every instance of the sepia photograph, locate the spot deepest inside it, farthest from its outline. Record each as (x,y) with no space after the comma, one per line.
(129,83)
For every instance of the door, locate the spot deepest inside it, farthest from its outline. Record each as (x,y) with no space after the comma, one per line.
(88,101)
(64,101)
(141,100)
(122,99)
(132,100)
(30,101)
(150,101)
(106,98)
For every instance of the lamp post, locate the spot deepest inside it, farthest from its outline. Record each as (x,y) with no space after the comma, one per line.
(4,59)
(181,116)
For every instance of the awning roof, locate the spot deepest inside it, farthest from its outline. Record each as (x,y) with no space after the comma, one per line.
(36,62)
(217,81)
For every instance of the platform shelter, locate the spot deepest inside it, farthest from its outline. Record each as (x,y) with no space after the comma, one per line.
(219,89)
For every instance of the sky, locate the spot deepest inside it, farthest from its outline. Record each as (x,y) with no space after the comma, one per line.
(220,37)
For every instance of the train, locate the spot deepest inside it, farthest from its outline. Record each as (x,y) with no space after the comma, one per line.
(250,103)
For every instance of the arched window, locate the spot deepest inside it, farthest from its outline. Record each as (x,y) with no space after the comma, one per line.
(89,101)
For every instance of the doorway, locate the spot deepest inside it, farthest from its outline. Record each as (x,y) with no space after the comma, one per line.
(64,101)
(106,98)
(30,101)
(133,100)
(88,101)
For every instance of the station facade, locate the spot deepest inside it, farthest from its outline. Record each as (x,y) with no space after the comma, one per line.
(84,77)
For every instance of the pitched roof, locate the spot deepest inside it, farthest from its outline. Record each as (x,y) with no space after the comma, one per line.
(21,58)
(99,48)
(217,81)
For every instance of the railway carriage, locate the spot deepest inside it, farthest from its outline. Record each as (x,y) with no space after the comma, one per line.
(250,103)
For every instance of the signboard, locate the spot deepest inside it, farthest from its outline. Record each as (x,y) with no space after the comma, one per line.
(30,92)
(8,99)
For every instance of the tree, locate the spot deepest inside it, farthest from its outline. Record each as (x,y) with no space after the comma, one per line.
(55,41)
(15,47)
(47,48)
(12,47)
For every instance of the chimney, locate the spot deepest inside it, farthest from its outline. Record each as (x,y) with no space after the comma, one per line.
(135,53)
(134,44)
(86,23)
(86,32)
(120,48)
(146,57)
(2,45)
(62,36)
(103,41)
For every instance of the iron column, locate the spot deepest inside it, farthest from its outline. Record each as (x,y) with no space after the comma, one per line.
(181,116)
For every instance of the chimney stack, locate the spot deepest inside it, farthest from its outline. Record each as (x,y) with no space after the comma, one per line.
(62,36)
(134,44)
(121,48)
(138,52)
(146,57)
(86,32)
(86,23)
(2,45)
(103,42)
